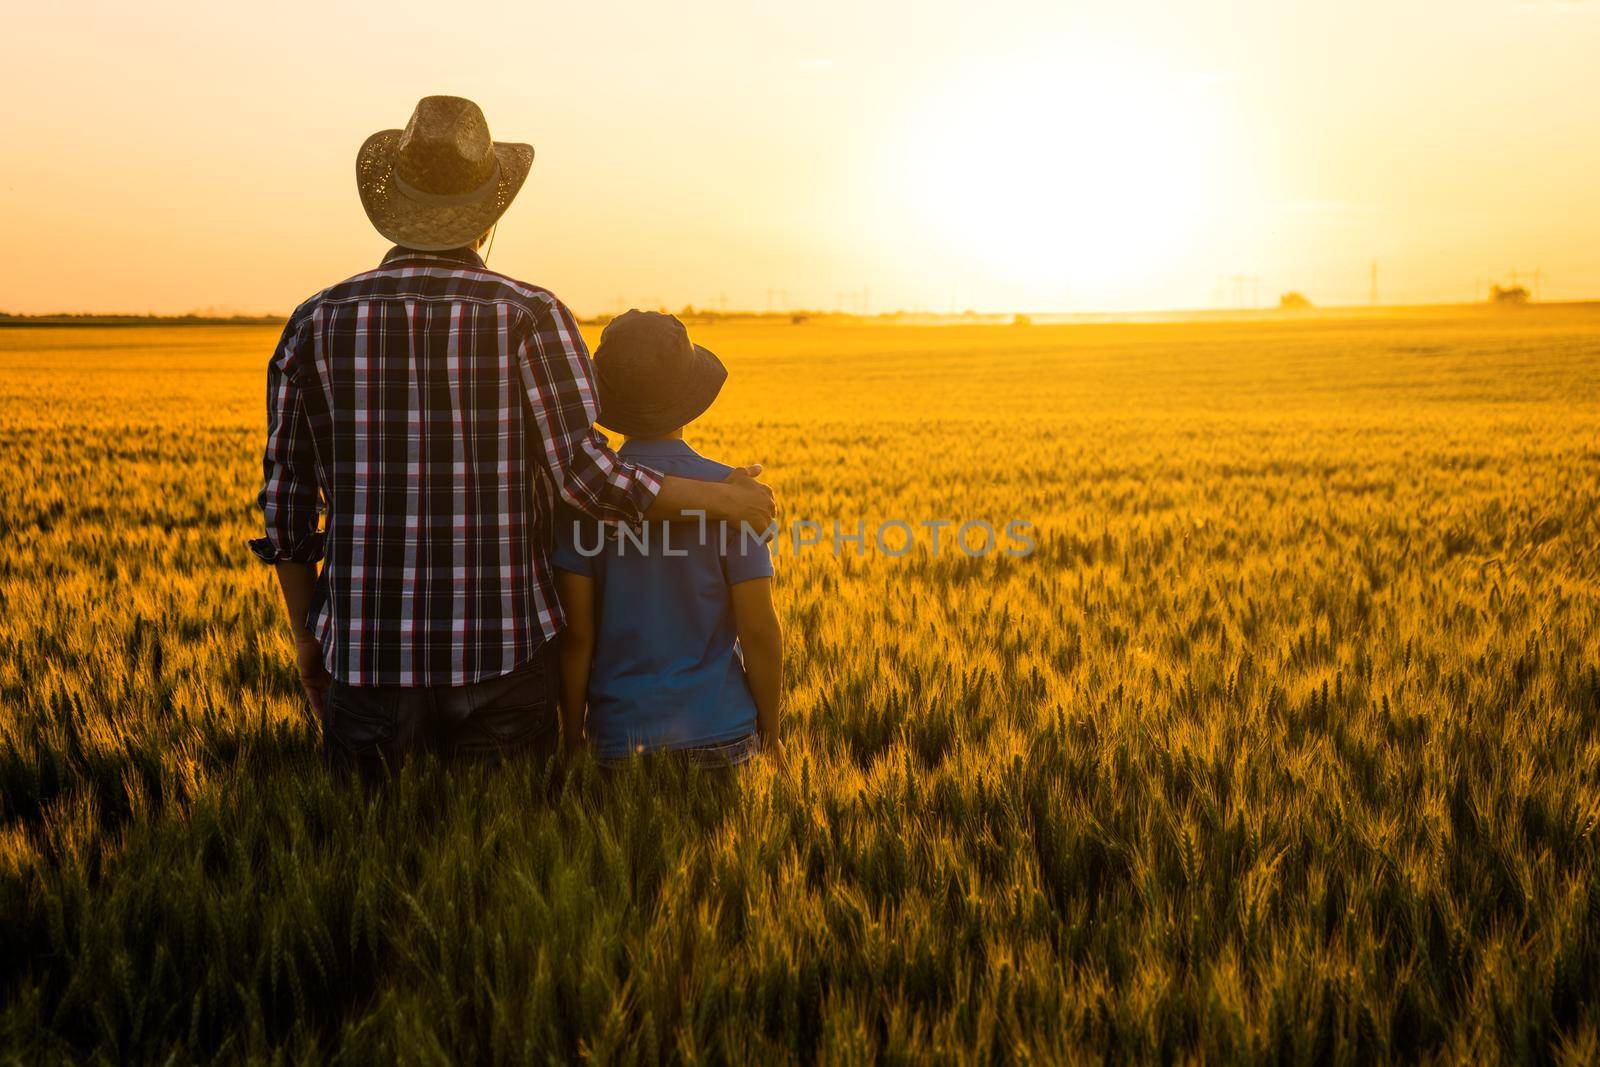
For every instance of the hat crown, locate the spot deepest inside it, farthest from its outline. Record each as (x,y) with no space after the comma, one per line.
(643,356)
(640,351)
(445,149)
(651,377)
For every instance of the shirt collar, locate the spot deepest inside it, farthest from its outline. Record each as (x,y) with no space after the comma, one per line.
(464,256)
(659,449)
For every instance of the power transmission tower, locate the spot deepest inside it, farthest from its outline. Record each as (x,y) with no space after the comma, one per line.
(1373,295)
(1239,282)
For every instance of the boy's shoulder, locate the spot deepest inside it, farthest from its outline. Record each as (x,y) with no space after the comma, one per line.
(715,470)
(690,464)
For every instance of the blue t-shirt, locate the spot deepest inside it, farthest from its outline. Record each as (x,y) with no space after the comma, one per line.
(668,672)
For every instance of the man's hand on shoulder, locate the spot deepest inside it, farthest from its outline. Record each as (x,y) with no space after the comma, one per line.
(738,498)
(749,502)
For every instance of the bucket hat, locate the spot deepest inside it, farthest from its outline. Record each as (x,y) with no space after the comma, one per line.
(651,378)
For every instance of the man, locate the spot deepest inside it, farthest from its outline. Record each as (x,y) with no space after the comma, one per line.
(437,412)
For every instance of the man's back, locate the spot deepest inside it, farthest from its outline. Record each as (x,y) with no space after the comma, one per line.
(438,408)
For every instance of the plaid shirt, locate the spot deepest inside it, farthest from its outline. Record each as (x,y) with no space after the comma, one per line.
(435,410)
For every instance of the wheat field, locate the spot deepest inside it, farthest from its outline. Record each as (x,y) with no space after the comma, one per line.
(1283,746)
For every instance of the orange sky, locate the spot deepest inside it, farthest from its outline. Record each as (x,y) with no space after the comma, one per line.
(1048,156)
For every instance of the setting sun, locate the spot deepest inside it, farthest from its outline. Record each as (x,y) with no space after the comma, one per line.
(1062,173)
(1022,156)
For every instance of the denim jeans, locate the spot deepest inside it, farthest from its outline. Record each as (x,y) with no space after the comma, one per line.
(719,756)
(371,727)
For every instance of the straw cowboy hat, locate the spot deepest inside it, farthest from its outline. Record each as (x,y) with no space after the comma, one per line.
(440,182)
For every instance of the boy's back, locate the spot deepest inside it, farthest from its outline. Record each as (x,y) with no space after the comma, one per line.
(667,669)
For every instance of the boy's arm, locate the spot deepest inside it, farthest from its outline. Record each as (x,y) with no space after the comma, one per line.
(576,651)
(761,637)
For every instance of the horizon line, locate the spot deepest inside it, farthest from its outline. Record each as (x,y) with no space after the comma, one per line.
(198,318)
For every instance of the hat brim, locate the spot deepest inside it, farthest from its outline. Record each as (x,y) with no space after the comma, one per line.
(432,227)
(696,394)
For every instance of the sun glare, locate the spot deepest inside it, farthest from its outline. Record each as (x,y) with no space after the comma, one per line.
(1060,174)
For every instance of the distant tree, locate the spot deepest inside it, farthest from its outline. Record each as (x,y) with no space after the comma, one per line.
(1293,301)
(1508,295)
(688,312)
(1021,320)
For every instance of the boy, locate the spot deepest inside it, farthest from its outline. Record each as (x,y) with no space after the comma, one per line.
(671,641)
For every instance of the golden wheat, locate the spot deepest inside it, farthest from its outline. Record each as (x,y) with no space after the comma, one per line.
(1282,746)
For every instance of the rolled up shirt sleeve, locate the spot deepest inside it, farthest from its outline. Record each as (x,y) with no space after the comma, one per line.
(291,497)
(558,378)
